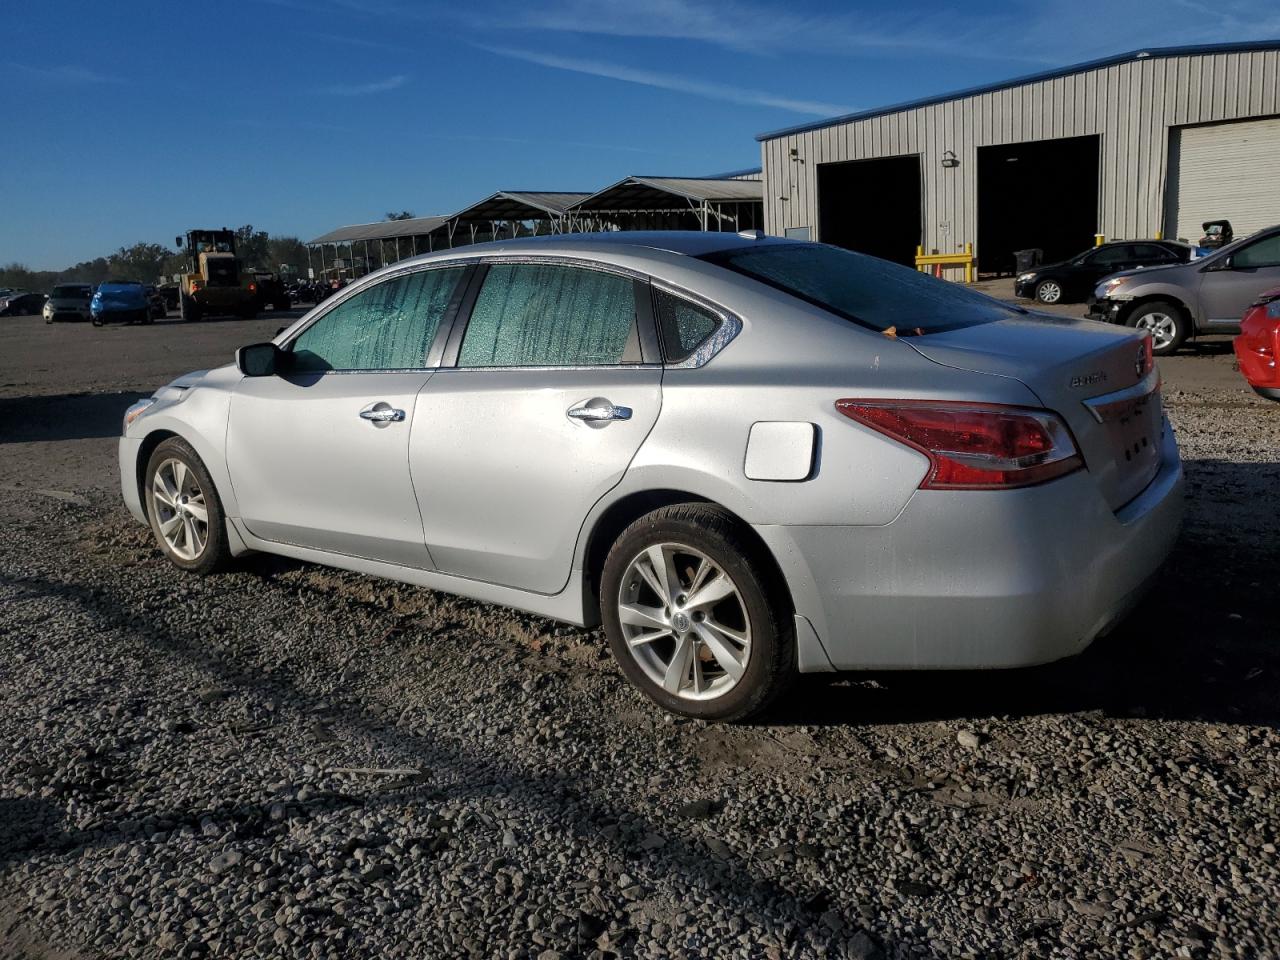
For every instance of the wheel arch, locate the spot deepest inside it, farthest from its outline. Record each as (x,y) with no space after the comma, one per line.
(1164,297)
(624,511)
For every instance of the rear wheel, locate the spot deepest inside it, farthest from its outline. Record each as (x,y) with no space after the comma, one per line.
(694,615)
(1165,322)
(1048,291)
(184,509)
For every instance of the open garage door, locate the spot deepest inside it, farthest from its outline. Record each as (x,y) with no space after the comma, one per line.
(1039,194)
(1225,171)
(872,206)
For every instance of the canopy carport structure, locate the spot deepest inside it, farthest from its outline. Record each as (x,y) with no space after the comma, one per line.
(373,245)
(673,203)
(513,213)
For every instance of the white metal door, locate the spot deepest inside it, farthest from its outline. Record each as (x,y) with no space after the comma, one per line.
(1224,171)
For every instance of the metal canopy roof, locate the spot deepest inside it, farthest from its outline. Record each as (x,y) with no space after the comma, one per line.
(1148,54)
(521,205)
(666,193)
(383,230)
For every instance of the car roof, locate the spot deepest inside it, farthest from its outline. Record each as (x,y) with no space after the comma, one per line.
(693,243)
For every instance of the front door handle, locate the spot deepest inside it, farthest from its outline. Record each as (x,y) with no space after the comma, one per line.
(598,412)
(382,412)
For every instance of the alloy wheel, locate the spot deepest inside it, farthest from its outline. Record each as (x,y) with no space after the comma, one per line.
(684,621)
(178,504)
(1162,326)
(1048,292)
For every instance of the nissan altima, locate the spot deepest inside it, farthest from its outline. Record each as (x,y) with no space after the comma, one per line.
(747,457)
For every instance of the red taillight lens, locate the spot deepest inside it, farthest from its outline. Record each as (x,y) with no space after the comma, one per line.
(974,446)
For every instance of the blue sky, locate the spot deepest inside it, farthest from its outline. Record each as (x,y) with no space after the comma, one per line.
(125,122)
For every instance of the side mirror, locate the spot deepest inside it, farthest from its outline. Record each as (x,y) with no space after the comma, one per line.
(259,359)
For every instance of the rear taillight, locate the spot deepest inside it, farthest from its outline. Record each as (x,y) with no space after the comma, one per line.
(974,446)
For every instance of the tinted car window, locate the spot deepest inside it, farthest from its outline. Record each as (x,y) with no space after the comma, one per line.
(1151,251)
(866,290)
(1264,253)
(388,326)
(1114,254)
(685,326)
(548,315)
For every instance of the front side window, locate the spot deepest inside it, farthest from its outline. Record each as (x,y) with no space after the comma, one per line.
(1264,253)
(389,326)
(685,326)
(871,292)
(550,315)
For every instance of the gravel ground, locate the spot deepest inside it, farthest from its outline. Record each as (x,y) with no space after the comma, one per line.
(290,761)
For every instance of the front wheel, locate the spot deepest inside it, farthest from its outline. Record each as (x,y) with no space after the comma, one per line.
(184,509)
(1049,291)
(1166,324)
(695,616)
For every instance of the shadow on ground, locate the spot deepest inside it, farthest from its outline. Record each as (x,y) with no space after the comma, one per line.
(68,416)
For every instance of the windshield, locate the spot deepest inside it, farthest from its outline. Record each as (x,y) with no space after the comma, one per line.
(71,292)
(869,291)
(120,288)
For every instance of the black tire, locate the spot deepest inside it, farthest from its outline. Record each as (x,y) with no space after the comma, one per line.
(96,321)
(216,552)
(1166,322)
(771,660)
(189,310)
(1049,290)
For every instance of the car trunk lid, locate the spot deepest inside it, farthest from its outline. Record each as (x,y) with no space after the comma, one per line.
(1095,376)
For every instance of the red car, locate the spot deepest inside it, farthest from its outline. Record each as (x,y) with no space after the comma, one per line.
(1258,345)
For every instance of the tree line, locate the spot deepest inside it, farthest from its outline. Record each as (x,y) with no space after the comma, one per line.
(154,262)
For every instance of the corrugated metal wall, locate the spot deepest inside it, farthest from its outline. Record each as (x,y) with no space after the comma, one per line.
(1131,105)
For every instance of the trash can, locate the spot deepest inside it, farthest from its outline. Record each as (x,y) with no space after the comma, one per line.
(1025,260)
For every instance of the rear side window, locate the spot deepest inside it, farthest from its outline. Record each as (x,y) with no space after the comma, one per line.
(1150,251)
(549,315)
(1117,253)
(685,326)
(388,326)
(869,291)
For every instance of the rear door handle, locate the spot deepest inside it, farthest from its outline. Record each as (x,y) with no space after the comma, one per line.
(382,412)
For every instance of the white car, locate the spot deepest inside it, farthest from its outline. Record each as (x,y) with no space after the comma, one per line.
(68,301)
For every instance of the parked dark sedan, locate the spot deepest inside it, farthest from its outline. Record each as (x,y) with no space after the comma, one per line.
(1073,280)
(22,304)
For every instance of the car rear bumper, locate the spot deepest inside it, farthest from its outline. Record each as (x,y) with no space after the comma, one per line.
(981,579)
(128,459)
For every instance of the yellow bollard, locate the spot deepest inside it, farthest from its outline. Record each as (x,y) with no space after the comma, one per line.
(1099,239)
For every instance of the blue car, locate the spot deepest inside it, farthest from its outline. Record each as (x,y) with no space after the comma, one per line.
(122,301)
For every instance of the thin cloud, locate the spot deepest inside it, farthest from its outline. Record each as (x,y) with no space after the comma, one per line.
(358,42)
(69,75)
(556,144)
(365,89)
(667,81)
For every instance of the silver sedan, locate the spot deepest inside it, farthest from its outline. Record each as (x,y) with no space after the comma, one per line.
(748,457)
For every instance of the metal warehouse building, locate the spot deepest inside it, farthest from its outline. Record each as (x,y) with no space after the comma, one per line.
(1145,144)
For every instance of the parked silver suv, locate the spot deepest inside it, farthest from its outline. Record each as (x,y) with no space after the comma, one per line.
(1209,295)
